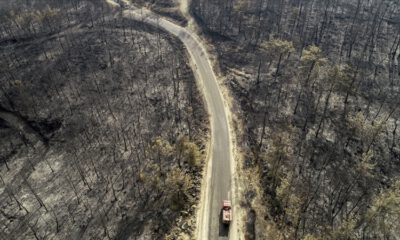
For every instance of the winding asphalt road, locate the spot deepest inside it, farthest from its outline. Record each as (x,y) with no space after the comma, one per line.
(218,182)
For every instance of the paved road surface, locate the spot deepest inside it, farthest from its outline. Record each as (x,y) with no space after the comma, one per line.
(219,172)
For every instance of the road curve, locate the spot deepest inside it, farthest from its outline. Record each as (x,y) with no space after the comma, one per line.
(219,174)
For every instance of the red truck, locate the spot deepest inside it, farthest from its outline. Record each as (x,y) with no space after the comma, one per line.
(226,212)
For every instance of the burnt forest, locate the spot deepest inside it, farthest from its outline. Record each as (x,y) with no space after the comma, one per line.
(102,127)
(316,85)
(200,119)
